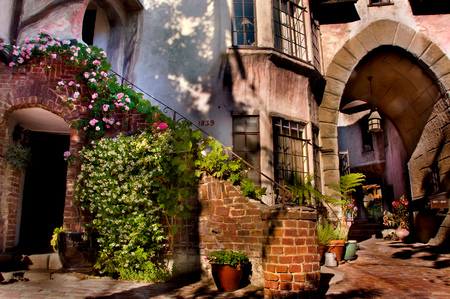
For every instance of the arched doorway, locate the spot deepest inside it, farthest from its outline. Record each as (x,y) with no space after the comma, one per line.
(409,77)
(43,184)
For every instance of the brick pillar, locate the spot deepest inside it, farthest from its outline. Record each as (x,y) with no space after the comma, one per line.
(291,258)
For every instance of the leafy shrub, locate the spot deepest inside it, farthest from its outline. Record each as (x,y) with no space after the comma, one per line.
(127,183)
(228,257)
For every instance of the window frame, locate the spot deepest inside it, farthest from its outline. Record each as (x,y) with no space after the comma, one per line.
(234,31)
(298,50)
(288,169)
(246,133)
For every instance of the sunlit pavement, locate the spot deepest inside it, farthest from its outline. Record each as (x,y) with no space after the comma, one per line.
(392,269)
(382,270)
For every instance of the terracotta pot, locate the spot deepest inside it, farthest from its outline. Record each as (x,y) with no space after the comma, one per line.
(337,246)
(227,278)
(322,250)
(401,233)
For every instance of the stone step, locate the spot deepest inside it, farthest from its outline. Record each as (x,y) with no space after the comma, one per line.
(40,275)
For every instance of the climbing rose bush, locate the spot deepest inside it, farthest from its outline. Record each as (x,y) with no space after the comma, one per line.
(104,97)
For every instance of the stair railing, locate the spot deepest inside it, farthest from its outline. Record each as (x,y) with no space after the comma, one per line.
(282,197)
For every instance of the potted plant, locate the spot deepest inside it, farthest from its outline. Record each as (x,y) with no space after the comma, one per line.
(76,250)
(325,233)
(398,218)
(337,244)
(226,268)
(347,185)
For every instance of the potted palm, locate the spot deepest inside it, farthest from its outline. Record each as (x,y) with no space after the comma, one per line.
(347,185)
(226,268)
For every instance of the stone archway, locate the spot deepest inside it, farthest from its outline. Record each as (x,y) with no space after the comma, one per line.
(375,35)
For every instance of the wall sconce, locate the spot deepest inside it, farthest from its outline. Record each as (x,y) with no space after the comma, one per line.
(374,117)
(374,121)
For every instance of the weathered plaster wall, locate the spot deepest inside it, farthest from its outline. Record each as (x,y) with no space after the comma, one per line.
(5,16)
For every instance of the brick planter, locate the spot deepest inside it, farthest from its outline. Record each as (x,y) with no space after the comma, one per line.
(281,241)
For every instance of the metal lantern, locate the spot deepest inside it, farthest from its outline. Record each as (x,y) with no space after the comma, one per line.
(375,122)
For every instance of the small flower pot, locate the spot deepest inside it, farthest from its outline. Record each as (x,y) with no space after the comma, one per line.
(401,233)
(227,278)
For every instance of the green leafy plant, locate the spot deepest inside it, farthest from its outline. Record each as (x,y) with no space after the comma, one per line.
(325,233)
(54,240)
(228,257)
(347,185)
(18,156)
(303,191)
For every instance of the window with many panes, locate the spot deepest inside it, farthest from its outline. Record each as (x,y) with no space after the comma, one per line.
(290,151)
(246,143)
(244,23)
(289,23)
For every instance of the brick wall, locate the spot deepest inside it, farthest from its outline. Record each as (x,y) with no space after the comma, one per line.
(35,87)
(281,241)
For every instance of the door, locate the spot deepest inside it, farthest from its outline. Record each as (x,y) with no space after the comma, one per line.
(44,192)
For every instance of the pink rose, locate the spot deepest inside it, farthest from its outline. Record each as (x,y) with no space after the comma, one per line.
(162,126)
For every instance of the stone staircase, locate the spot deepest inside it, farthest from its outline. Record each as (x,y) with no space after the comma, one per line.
(362,230)
(35,267)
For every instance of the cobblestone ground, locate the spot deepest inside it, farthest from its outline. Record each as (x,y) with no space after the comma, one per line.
(394,270)
(382,270)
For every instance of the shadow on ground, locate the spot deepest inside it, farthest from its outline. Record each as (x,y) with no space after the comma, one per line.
(181,289)
(424,252)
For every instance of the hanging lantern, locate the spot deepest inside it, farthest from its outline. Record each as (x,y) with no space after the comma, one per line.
(375,121)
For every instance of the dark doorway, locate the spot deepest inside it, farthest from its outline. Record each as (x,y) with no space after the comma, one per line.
(44,192)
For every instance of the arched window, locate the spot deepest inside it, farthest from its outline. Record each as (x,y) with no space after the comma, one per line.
(96,29)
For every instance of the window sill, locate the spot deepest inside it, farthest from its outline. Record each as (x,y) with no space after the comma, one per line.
(380,4)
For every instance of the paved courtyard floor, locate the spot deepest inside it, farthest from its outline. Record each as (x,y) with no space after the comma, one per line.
(382,270)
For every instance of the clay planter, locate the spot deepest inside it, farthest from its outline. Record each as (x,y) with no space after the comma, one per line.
(227,278)
(322,250)
(76,252)
(337,246)
(401,233)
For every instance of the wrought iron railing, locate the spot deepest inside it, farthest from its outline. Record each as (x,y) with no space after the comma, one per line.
(282,195)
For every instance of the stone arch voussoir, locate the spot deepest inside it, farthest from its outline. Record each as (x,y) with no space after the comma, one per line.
(378,33)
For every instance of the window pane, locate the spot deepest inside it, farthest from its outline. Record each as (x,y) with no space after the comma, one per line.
(239,124)
(248,10)
(252,124)
(252,142)
(253,158)
(239,142)
(247,24)
(240,38)
(238,24)
(250,39)
(238,11)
